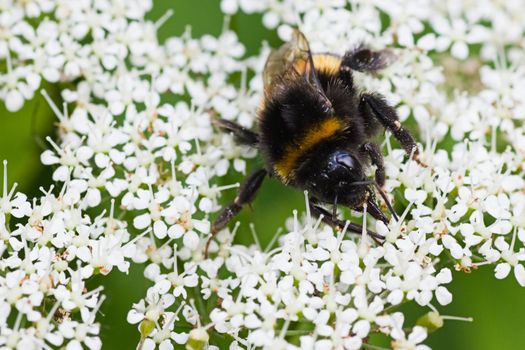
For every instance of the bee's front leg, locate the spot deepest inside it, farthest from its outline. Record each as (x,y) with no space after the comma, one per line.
(337,224)
(373,151)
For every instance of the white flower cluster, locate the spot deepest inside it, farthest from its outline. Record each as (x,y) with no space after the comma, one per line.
(64,41)
(137,161)
(337,289)
(49,249)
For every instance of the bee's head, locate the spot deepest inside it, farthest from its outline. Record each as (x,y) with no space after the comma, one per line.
(331,173)
(344,166)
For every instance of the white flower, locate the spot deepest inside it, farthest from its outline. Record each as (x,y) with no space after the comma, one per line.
(11,203)
(403,342)
(137,132)
(511,259)
(151,308)
(456,34)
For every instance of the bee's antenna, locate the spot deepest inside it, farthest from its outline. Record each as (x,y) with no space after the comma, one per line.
(387,201)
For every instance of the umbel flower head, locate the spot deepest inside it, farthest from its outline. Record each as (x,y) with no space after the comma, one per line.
(137,166)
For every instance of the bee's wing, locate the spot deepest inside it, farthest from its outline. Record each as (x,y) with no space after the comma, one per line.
(290,60)
(280,61)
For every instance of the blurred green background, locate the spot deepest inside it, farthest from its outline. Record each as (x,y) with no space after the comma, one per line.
(498,307)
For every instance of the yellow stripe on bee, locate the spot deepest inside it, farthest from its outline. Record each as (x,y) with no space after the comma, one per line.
(324,63)
(327,128)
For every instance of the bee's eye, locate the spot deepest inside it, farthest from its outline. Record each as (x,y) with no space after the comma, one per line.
(346,160)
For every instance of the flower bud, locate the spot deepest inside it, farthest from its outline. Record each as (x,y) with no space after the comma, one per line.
(432,321)
(198,339)
(146,327)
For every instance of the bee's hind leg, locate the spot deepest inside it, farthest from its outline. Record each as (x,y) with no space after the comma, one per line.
(362,59)
(243,135)
(246,195)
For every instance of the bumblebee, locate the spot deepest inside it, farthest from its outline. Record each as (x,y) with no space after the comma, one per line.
(315,132)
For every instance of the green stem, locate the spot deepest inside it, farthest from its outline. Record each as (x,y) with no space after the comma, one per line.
(394,307)
(203,313)
(298,332)
(373,347)
(211,302)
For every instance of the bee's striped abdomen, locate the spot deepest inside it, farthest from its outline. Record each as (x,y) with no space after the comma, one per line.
(323,131)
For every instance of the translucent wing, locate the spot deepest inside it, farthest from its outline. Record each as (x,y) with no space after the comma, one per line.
(291,60)
(282,60)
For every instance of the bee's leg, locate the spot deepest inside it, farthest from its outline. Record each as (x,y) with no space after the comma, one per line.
(376,157)
(362,59)
(337,224)
(242,135)
(334,208)
(246,195)
(375,106)
(373,151)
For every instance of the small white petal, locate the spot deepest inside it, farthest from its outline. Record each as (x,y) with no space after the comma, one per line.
(14,100)
(502,270)
(444,297)
(142,221)
(361,328)
(134,316)
(160,229)
(418,335)
(519,273)
(459,50)
(191,240)
(176,231)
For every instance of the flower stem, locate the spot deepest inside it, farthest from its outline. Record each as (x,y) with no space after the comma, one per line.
(200,305)
(373,347)
(295,332)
